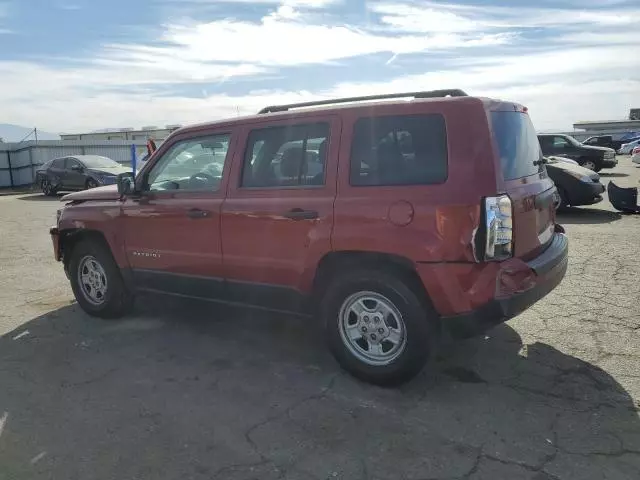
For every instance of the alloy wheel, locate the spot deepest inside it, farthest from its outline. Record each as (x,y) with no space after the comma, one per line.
(372,328)
(92,280)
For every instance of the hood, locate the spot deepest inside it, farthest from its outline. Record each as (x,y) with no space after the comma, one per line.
(108,192)
(115,170)
(567,167)
(599,149)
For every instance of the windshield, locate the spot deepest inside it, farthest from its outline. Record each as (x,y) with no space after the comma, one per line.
(99,162)
(572,141)
(517,144)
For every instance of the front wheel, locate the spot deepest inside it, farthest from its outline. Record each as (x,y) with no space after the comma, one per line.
(97,282)
(91,183)
(377,326)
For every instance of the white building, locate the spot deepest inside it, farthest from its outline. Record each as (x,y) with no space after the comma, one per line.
(158,134)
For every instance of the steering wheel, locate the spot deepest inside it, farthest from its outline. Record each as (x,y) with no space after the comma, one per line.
(198,177)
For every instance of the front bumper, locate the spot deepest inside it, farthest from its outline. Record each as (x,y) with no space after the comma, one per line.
(548,271)
(609,162)
(586,194)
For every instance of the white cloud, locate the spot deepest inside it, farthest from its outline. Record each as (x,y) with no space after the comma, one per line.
(425,16)
(583,71)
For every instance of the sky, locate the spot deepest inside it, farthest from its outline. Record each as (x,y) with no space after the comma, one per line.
(81,65)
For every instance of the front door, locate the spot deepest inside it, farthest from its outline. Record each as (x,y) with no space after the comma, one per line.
(278,215)
(74,174)
(172,230)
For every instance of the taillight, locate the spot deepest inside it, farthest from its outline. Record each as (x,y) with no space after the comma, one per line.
(497,236)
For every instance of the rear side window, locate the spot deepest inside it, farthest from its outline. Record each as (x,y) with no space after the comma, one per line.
(517,144)
(289,156)
(399,150)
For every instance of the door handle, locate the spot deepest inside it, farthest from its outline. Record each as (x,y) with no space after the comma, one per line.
(196,213)
(300,214)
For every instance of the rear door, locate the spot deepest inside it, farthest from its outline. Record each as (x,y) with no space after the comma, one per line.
(56,173)
(278,214)
(532,192)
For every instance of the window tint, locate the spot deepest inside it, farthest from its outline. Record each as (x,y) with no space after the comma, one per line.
(291,156)
(194,164)
(560,142)
(70,162)
(399,150)
(58,163)
(517,143)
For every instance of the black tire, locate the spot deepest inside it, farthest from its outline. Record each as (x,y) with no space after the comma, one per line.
(47,188)
(589,163)
(117,299)
(419,321)
(564,199)
(91,183)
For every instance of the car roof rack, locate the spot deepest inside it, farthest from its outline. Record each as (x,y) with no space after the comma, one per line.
(453,92)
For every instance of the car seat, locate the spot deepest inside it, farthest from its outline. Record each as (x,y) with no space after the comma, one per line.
(293,166)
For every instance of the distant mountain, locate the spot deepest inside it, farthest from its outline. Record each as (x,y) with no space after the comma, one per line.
(15,133)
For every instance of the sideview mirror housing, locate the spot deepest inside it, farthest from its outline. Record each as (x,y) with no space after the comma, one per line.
(77,168)
(126,183)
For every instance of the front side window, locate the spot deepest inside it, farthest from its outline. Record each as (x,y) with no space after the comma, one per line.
(399,150)
(288,156)
(194,164)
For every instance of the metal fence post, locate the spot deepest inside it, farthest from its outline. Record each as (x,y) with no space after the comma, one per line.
(10,170)
(133,159)
(33,173)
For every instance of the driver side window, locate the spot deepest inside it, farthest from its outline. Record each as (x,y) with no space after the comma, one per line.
(193,164)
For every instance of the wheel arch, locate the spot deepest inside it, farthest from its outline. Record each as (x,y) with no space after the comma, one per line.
(334,262)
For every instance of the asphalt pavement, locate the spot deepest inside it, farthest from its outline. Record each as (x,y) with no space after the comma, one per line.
(190,390)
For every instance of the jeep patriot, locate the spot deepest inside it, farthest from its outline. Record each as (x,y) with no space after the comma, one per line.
(395,219)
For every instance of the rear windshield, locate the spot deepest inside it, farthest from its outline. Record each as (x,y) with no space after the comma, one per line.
(517,144)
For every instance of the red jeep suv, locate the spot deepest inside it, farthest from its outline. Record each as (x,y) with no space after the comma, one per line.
(395,219)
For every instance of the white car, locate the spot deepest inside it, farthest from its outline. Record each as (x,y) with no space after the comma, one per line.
(626,148)
(635,155)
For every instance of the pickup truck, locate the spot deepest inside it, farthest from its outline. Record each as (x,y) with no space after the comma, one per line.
(593,158)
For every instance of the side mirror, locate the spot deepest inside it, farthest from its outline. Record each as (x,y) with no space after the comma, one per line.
(77,168)
(126,183)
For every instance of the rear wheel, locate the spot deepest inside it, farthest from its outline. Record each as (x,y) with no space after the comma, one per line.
(590,164)
(97,282)
(377,326)
(47,188)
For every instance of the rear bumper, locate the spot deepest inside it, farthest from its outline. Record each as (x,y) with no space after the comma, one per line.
(548,270)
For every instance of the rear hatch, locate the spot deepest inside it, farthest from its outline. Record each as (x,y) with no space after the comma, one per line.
(532,193)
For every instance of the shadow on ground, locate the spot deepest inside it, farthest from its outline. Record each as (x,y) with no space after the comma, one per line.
(41,197)
(613,174)
(585,215)
(184,390)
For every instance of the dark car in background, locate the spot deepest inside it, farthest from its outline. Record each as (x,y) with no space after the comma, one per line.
(576,185)
(604,141)
(78,172)
(593,158)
